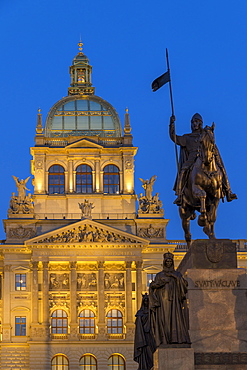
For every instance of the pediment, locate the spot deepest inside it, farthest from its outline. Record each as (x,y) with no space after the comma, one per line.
(84,143)
(152,269)
(87,232)
(20,269)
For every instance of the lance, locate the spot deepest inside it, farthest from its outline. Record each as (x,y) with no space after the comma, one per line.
(159,82)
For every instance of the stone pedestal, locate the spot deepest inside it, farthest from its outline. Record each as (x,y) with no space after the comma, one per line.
(217,304)
(174,358)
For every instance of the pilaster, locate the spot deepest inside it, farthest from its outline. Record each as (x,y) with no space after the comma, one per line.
(101,302)
(139,265)
(129,312)
(73,305)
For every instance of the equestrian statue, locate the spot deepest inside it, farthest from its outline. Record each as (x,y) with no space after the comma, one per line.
(202,179)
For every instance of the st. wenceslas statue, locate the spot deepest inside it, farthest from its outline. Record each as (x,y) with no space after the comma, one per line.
(202,179)
(167,296)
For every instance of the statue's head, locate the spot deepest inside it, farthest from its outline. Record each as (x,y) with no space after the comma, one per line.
(196,122)
(145,300)
(168,262)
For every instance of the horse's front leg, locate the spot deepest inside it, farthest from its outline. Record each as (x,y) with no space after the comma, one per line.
(186,217)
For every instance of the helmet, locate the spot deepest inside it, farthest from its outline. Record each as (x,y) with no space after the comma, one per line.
(197,116)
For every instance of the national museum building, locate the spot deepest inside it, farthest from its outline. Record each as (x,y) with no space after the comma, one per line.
(81,250)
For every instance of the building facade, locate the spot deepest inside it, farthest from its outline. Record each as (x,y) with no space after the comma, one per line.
(78,252)
(81,250)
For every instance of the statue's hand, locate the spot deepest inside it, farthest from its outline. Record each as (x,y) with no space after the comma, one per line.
(172,119)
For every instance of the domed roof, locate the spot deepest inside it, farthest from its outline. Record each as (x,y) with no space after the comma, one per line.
(82,115)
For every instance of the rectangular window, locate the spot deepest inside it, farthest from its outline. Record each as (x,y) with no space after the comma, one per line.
(20,282)
(20,325)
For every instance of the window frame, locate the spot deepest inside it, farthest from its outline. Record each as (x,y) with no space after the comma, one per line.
(91,320)
(22,282)
(59,329)
(86,366)
(87,173)
(111,319)
(111,179)
(21,326)
(118,366)
(65,366)
(60,185)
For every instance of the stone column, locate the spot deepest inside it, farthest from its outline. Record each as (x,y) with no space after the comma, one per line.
(101,181)
(6,326)
(73,303)
(70,176)
(129,312)
(139,265)
(101,302)
(96,183)
(45,299)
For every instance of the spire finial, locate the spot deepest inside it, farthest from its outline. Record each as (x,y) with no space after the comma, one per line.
(39,128)
(80,45)
(127,127)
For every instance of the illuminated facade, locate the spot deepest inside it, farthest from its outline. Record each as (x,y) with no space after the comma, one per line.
(78,253)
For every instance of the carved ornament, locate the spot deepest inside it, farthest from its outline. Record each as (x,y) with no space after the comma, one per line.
(114,281)
(87,267)
(86,281)
(59,267)
(151,232)
(58,281)
(21,233)
(114,267)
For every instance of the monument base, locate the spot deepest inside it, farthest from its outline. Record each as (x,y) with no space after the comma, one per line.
(171,358)
(217,305)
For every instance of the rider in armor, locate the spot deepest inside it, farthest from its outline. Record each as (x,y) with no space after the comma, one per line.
(190,147)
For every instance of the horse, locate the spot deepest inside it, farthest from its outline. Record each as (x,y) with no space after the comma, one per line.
(203,187)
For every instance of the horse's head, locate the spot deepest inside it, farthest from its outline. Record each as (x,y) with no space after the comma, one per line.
(207,145)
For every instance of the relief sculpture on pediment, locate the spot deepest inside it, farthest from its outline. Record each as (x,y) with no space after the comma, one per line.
(87,233)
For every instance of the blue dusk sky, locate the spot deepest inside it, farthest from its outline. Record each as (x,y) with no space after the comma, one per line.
(125,42)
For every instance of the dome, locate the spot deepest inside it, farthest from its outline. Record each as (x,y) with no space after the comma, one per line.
(82,115)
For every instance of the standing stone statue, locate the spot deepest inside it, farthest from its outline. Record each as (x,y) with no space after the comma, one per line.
(144,345)
(148,186)
(167,295)
(149,203)
(86,209)
(21,187)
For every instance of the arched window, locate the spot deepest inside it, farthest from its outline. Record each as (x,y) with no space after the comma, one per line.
(60,362)
(59,322)
(87,322)
(114,322)
(111,179)
(56,179)
(116,362)
(84,179)
(88,362)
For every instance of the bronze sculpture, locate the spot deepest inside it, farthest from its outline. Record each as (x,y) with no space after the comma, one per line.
(167,295)
(202,179)
(144,346)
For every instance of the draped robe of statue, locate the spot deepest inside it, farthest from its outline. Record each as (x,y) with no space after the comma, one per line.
(169,316)
(144,345)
